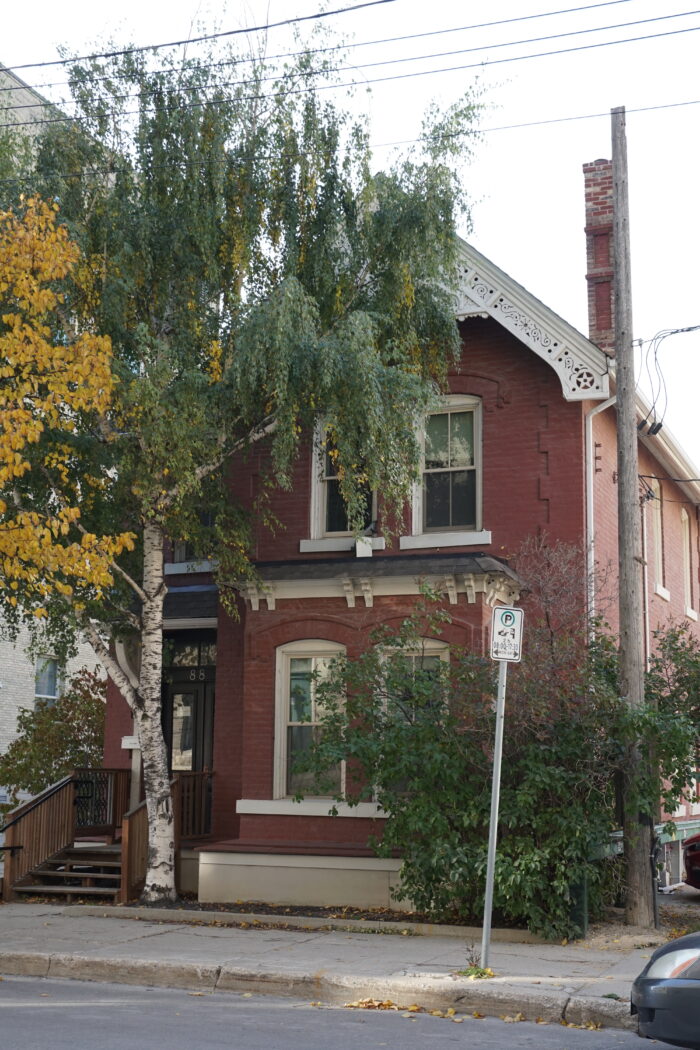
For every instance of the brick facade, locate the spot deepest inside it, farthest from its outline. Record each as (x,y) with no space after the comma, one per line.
(536,480)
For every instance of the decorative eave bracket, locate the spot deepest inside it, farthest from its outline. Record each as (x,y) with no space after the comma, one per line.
(484,290)
(494,586)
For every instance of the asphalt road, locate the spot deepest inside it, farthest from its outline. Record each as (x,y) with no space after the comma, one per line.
(74,1015)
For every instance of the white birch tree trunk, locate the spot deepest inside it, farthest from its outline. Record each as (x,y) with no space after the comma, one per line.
(160,873)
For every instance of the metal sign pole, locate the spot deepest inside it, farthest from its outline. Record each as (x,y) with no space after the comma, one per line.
(495,796)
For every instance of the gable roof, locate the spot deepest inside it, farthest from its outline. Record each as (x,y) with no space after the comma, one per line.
(486,291)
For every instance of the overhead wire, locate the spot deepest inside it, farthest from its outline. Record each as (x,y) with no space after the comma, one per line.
(382,145)
(349,45)
(657,381)
(399,76)
(418,58)
(207,36)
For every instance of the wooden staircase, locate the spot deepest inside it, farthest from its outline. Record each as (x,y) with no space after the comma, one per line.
(54,841)
(77,871)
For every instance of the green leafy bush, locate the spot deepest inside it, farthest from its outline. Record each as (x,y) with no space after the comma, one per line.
(56,737)
(417,734)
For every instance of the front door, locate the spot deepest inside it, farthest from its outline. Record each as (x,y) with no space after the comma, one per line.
(188,699)
(190,707)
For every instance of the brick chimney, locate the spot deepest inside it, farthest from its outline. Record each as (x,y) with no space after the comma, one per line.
(598,181)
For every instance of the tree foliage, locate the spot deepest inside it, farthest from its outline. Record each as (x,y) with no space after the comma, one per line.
(56,737)
(52,379)
(253,273)
(419,739)
(256,278)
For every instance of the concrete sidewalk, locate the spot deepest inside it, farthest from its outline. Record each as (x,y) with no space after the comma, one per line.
(579,983)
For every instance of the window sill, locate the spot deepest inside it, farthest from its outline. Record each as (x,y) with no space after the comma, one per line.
(337,543)
(691,614)
(316,807)
(445,539)
(662,592)
(180,568)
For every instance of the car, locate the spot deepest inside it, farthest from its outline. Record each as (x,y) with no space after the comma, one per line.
(666,995)
(691,860)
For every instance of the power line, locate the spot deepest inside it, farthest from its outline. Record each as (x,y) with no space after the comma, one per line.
(420,58)
(402,142)
(345,46)
(657,385)
(680,481)
(394,77)
(208,36)
(551,120)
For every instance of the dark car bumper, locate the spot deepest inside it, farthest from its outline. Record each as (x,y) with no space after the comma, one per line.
(668,1009)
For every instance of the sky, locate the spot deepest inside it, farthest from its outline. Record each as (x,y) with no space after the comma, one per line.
(525,183)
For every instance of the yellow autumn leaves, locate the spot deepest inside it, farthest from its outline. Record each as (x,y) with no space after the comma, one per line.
(44,385)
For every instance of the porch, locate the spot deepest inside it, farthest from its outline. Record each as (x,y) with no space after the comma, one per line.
(78,837)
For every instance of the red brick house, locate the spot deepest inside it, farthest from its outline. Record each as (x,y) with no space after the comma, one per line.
(524,443)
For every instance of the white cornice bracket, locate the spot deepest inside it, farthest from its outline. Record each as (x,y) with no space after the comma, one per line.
(581,366)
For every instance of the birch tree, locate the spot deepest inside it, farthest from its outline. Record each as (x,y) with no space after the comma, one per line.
(255,276)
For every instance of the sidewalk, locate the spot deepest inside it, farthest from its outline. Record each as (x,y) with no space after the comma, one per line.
(207,953)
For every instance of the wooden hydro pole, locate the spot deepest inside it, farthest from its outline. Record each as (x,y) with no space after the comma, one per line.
(638,828)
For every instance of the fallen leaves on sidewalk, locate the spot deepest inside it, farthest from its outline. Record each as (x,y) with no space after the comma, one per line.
(406,1011)
(588,1026)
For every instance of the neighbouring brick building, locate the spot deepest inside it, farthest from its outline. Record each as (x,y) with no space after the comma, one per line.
(525,443)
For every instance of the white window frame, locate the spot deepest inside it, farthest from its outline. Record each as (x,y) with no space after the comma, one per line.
(41,663)
(319,539)
(428,647)
(308,648)
(687,565)
(658,532)
(420,538)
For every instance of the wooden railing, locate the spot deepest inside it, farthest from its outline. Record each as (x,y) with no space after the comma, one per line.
(36,830)
(101,799)
(93,802)
(193,794)
(134,852)
(191,819)
(87,802)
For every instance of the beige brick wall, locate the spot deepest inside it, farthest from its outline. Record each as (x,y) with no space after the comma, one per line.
(17,681)
(25,104)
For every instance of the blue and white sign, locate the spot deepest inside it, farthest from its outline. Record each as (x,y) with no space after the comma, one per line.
(506,634)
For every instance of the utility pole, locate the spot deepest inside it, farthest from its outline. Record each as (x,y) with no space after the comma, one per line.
(638,829)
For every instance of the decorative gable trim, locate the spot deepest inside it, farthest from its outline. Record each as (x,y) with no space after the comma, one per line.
(486,291)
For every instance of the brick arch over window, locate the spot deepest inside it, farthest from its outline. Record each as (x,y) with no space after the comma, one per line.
(492,391)
(333,628)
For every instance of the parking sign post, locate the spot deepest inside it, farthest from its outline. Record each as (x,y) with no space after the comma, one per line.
(506,641)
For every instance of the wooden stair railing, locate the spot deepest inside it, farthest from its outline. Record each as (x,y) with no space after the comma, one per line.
(87,802)
(93,802)
(191,819)
(36,830)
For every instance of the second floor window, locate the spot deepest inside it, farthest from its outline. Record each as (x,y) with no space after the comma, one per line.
(450,497)
(47,682)
(334,510)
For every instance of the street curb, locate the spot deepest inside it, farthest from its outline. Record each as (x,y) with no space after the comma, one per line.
(486,997)
(300,922)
